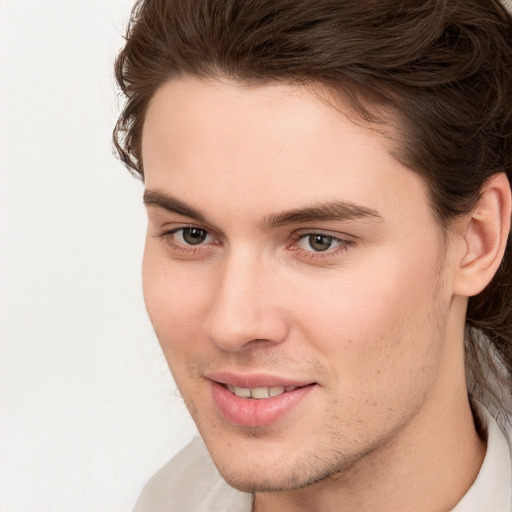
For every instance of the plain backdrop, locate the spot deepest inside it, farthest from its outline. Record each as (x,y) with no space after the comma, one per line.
(88,410)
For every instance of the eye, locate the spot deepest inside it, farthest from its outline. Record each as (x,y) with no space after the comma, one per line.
(318,242)
(191,236)
(189,242)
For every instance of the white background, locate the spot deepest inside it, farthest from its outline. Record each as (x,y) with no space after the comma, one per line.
(88,409)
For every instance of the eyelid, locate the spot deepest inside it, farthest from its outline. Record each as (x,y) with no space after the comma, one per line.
(186,244)
(306,238)
(336,235)
(167,234)
(170,228)
(344,241)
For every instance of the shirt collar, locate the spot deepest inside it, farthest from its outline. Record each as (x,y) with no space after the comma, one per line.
(492,487)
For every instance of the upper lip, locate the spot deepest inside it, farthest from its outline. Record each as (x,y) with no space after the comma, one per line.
(256,380)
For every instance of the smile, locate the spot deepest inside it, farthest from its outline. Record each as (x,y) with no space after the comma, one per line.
(260,393)
(257,405)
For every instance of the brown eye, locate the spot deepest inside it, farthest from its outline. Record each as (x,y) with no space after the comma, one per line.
(194,236)
(320,242)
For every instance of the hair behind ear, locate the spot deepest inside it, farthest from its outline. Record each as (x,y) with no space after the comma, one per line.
(490,314)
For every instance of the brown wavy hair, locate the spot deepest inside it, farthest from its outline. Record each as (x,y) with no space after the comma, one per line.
(444,67)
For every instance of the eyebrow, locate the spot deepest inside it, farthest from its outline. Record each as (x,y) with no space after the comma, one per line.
(171,204)
(326,211)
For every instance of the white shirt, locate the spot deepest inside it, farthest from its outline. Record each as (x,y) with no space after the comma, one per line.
(492,489)
(190,482)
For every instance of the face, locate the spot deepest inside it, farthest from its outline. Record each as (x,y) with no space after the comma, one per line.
(295,277)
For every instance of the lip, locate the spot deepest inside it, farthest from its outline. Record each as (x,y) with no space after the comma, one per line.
(250,412)
(256,380)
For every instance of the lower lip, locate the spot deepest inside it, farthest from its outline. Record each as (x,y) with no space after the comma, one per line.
(250,412)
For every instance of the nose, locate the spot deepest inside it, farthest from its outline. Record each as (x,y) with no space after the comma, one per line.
(247,308)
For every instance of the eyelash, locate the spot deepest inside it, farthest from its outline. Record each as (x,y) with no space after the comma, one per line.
(343,245)
(184,248)
(191,249)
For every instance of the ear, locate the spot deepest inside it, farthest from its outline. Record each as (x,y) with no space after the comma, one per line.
(484,233)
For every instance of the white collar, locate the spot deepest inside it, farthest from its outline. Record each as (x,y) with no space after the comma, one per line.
(491,490)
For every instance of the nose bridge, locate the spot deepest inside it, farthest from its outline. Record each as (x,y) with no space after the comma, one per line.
(243,307)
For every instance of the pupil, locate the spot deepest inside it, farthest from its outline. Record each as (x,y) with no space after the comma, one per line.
(194,236)
(320,242)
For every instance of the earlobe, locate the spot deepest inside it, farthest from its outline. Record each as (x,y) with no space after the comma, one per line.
(485,232)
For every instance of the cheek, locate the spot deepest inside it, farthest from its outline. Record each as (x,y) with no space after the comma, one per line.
(173,301)
(379,328)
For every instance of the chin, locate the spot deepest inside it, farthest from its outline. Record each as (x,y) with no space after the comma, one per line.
(254,483)
(274,476)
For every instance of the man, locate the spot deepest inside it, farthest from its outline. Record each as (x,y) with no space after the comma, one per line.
(327,265)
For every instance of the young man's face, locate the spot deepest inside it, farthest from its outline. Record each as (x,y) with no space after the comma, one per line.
(289,254)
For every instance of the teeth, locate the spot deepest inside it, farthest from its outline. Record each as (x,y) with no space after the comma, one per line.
(243,392)
(275,391)
(259,393)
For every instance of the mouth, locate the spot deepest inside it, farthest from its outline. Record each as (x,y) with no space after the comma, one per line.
(260,393)
(257,402)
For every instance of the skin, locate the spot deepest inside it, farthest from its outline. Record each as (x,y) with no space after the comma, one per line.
(375,320)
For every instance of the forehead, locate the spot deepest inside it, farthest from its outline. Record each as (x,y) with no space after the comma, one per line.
(267,147)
